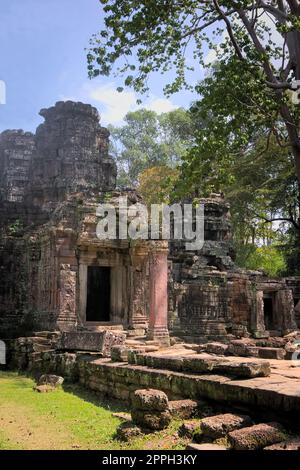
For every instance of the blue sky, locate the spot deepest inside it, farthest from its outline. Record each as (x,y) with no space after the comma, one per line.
(43,60)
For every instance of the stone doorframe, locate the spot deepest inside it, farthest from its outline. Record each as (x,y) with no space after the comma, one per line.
(283,305)
(139,286)
(118,295)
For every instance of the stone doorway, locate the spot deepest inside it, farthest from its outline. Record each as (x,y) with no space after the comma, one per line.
(98,304)
(269,313)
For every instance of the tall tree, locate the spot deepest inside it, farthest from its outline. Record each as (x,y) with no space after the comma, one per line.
(152,35)
(235,153)
(148,140)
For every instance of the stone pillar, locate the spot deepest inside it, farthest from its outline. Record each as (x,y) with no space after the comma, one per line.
(139,305)
(258,327)
(286,311)
(158,321)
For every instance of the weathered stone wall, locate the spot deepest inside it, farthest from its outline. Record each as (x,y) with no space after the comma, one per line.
(17,148)
(203,308)
(28,285)
(72,154)
(13,292)
(241,303)
(209,296)
(294,284)
(67,158)
(217,252)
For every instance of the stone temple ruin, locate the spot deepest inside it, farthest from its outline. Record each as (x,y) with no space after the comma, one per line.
(211,297)
(115,314)
(55,273)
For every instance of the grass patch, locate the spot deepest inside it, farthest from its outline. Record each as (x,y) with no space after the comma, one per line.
(68,418)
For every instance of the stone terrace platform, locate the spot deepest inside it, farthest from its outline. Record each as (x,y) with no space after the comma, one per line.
(277,395)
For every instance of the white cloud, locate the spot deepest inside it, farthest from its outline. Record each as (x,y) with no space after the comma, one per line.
(113,105)
(160,105)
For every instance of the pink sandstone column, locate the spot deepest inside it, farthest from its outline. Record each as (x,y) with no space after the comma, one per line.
(139,317)
(158,320)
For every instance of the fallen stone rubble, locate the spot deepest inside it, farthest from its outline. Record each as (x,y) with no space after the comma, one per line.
(236,432)
(219,426)
(257,437)
(150,409)
(151,412)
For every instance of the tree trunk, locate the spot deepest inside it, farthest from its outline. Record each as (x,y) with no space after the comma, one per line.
(296,153)
(293,42)
(293,133)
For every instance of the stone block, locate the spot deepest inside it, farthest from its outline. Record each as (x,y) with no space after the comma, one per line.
(257,437)
(101,341)
(216,348)
(227,367)
(220,425)
(127,431)
(189,428)
(135,356)
(290,444)
(53,380)
(154,420)
(150,399)
(243,348)
(271,353)
(184,409)
(119,354)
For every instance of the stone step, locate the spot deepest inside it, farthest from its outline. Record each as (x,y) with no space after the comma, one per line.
(202,363)
(271,353)
(216,348)
(139,332)
(104,327)
(124,353)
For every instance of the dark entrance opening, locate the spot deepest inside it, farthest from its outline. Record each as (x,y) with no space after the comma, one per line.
(297,311)
(98,294)
(269,312)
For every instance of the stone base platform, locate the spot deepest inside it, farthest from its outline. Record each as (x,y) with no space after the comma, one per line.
(265,388)
(276,395)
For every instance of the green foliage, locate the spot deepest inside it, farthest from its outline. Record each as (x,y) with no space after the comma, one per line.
(292,253)
(15,228)
(247,126)
(238,111)
(269,259)
(156,184)
(236,153)
(149,140)
(142,37)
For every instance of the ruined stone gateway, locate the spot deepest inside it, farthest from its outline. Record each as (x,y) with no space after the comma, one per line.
(117,314)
